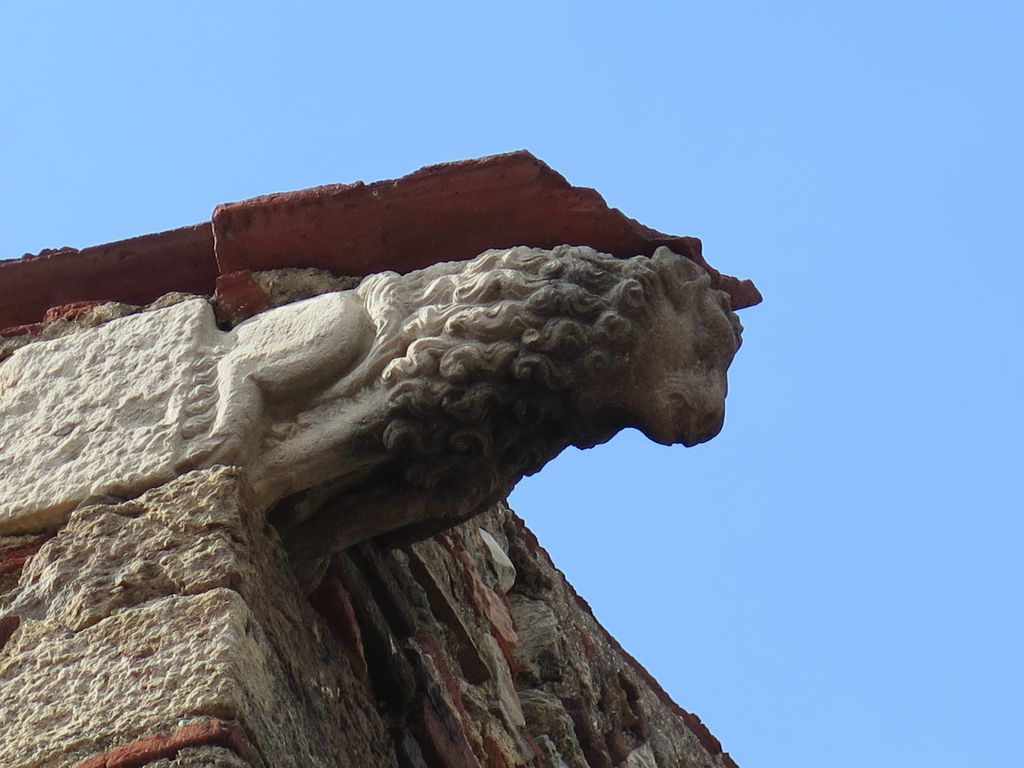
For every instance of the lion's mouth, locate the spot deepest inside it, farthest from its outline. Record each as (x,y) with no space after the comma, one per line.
(680,415)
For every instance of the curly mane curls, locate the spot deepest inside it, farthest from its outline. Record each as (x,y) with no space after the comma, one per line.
(482,359)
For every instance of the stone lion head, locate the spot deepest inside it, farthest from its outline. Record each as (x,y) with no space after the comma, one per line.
(497,364)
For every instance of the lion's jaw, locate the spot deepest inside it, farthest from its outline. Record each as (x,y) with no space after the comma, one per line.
(680,409)
(678,389)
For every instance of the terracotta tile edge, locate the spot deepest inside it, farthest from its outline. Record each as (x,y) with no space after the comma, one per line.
(189,258)
(212,733)
(14,558)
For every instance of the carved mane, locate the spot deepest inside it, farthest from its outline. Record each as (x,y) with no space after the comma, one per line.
(487,362)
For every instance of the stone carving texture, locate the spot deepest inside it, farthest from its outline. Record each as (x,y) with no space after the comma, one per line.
(421,396)
(108,411)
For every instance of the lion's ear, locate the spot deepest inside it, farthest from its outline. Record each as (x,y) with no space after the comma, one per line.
(679,267)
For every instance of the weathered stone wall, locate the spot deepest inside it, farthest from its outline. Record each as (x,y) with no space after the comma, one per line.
(169,631)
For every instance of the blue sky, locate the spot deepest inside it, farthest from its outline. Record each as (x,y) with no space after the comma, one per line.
(836,579)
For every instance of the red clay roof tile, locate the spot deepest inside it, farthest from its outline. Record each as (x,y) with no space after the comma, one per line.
(439,213)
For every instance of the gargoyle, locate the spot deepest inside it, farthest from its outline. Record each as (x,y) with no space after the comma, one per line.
(410,400)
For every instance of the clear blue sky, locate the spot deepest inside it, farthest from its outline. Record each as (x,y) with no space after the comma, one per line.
(835,580)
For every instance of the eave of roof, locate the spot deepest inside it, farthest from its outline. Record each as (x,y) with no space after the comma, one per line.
(442,212)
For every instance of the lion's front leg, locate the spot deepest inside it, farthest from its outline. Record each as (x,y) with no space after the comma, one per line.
(330,441)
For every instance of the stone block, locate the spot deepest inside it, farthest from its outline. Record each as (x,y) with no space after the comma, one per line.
(176,606)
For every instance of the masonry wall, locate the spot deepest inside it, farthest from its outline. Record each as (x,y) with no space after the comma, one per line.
(169,631)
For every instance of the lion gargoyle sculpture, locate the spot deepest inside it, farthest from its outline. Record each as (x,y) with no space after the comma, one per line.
(410,400)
